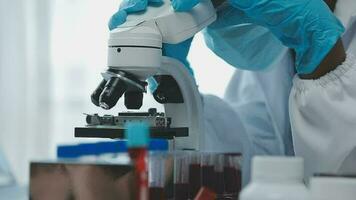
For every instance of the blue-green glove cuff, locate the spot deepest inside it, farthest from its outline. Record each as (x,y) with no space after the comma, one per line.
(152,84)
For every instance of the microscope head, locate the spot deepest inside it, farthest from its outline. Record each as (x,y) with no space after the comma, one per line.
(135,50)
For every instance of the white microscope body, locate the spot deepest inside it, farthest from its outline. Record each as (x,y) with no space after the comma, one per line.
(136,48)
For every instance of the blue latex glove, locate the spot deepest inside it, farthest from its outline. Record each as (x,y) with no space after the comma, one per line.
(307,26)
(127,7)
(177,51)
(184,5)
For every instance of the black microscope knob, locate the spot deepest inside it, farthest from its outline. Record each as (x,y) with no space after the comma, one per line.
(133,100)
(152,111)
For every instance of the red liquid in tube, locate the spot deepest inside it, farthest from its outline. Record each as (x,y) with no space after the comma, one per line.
(181,191)
(157,193)
(194,180)
(208,177)
(138,155)
(232,179)
(220,184)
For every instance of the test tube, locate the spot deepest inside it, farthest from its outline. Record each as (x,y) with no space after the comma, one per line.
(156,176)
(181,176)
(219,173)
(232,175)
(208,171)
(195,174)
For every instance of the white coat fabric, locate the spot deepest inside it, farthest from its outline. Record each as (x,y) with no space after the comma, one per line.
(322,119)
(6,178)
(323,111)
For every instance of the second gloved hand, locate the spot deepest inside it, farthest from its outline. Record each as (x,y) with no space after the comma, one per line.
(307,26)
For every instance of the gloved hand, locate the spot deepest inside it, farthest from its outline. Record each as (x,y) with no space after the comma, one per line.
(129,6)
(177,51)
(307,26)
(184,5)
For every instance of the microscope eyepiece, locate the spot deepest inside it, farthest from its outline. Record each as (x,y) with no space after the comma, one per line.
(133,99)
(112,92)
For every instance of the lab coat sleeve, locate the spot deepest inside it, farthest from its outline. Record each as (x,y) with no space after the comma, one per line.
(6,177)
(323,119)
(224,131)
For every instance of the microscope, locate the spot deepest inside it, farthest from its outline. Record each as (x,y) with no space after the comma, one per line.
(134,55)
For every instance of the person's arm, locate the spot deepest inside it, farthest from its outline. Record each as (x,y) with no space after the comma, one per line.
(335,57)
(331,4)
(306,26)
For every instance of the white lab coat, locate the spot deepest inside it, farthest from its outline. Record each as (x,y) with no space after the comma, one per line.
(323,111)
(253,116)
(323,119)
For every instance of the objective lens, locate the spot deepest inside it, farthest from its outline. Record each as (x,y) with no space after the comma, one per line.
(96,94)
(112,92)
(133,100)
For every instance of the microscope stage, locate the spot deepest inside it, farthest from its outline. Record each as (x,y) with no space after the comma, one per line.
(110,126)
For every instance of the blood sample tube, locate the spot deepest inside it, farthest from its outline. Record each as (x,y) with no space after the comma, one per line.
(137,135)
(208,171)
(195,174)
(156,176)
(232,175)
(181,176)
